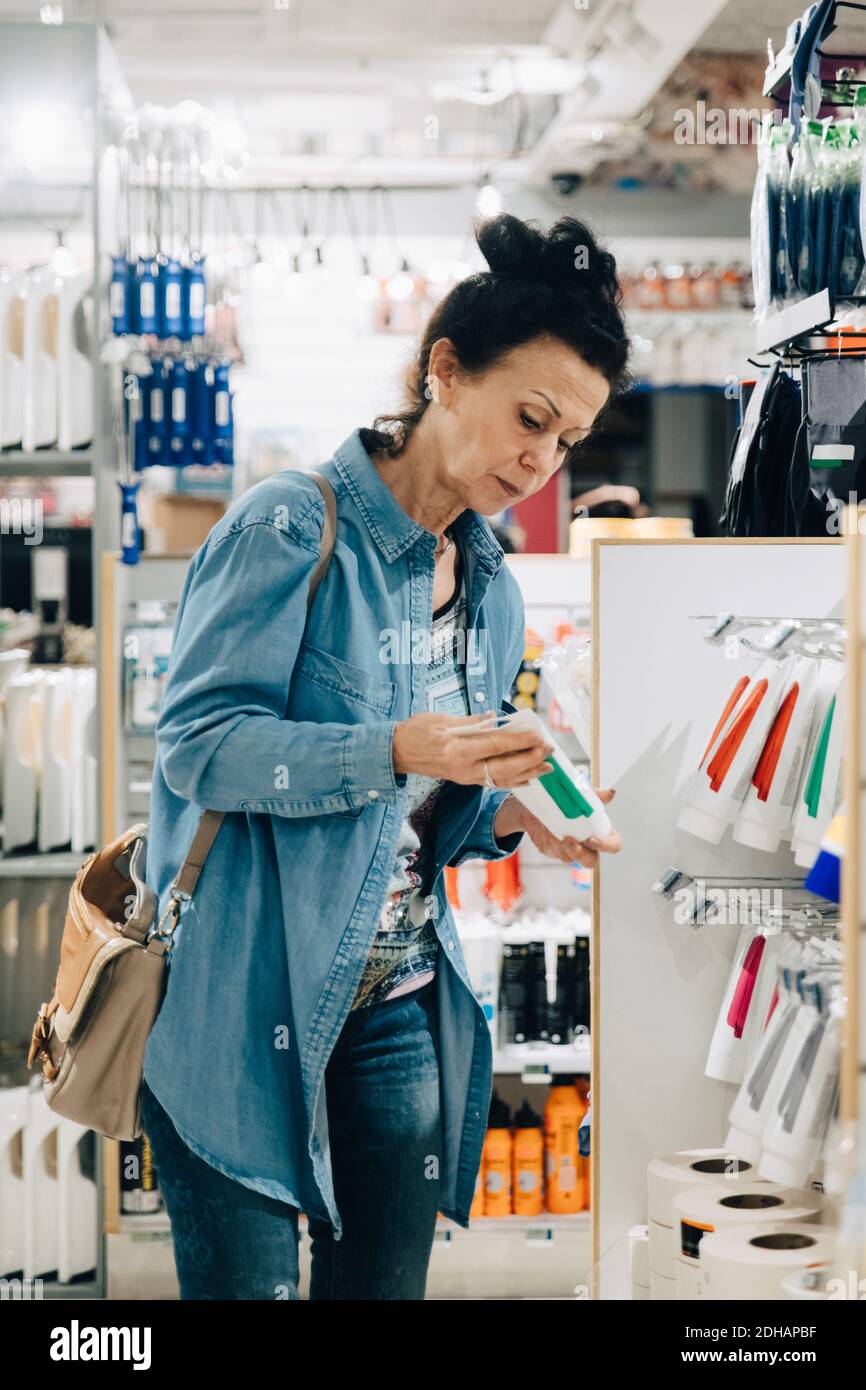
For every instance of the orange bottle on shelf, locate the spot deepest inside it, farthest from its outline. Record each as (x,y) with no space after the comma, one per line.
(562,1115)
(528,1172)
(497,1160)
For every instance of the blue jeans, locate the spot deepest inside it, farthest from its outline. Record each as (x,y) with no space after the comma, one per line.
(382,1094)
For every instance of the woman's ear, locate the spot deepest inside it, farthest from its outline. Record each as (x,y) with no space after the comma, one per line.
(442,367)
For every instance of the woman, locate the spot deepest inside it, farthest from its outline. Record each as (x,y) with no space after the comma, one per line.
(319,1047)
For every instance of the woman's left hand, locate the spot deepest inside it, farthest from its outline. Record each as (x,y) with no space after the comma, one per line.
(512,817)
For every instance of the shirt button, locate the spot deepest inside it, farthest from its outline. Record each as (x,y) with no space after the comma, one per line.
(480,696)
(372,793)
(450,945)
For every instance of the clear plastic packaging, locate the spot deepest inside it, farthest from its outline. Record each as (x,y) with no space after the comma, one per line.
(567,669)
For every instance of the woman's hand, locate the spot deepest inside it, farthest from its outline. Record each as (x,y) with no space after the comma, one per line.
(430,744)
(513,817)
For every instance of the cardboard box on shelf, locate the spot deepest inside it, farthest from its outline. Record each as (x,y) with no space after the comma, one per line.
(177,523)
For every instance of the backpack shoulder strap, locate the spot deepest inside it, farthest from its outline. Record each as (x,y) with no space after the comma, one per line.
(206,832)
(329,535)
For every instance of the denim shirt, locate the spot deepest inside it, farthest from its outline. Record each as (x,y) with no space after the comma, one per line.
(286,724)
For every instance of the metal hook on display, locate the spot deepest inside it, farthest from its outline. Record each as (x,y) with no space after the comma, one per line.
(674,881)
(782,632)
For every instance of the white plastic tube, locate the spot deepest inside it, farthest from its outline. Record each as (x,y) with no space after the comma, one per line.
(768,809)
(809,828)
(728,1055)
(795,1134)
(538,795)
(712,803)
(756,1098)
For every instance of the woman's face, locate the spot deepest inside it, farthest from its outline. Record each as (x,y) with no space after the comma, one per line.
(504,434)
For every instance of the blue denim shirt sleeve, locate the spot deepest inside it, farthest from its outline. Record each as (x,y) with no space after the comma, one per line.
(222,737)
(482,842)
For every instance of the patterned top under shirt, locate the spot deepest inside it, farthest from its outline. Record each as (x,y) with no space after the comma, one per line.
(406,947)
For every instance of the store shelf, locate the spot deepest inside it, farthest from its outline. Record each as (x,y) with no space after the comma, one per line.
(59,864)
(538,1061)
(159,1224)
(152,1223)
(51,462)
(83,1288)
(545,1222)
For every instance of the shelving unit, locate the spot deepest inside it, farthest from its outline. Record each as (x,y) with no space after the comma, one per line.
(50,463)
(56,864)
(77,69)
(664,977)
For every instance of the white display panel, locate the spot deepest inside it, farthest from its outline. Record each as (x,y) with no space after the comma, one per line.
(658,984)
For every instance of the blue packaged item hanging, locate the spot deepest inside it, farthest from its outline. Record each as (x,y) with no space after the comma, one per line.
(135,390)
(223,423)
(193,299)
(199,402)
(178,437)
(170,299)
(157,414)
(130,531)
(119,294)
(144,319)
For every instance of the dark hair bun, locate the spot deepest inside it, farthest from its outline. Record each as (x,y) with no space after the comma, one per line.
(567,252)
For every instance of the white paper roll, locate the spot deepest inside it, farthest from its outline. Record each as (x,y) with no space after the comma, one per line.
(638,1255)
(750,1262)
(639,1292)
(700,1210)
(661,1288)
(671,1174)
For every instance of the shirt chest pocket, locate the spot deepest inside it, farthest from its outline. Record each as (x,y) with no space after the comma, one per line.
(326,688)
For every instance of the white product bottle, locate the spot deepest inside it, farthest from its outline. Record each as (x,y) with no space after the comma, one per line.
(795,1134)
(756,1098)
(481,940)
(768,809)
(11,350)
(812,820)
(713,802)
(74,372)
(729,1055)
(561,800)
(39,406)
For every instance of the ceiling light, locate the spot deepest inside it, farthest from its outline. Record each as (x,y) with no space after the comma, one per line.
(401,285)
(488,201)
